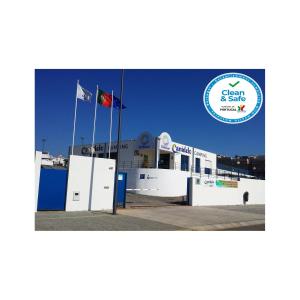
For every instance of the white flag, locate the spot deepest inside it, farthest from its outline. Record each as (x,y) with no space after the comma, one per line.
(83,94)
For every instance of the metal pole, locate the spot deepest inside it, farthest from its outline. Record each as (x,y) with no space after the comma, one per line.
(115,202)
(192,163)
(157,143)
(111,115)
(95,116)
(74,124)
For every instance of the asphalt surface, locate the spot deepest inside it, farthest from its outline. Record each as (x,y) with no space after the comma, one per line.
(99,221)
(202,217)
(164,218)
(135,201)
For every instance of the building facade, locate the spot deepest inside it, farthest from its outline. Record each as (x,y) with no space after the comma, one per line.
(158,152)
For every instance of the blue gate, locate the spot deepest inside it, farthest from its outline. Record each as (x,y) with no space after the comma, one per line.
(52,189)
(122,183)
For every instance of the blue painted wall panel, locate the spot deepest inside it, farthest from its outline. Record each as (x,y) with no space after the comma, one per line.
(52,189)
(122,183)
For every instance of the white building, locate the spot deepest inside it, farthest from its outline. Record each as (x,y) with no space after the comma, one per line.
(156,165)
(155,152)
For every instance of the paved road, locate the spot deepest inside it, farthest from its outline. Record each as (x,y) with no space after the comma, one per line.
(88,221)
(135,200)
(178,217)
(202,217)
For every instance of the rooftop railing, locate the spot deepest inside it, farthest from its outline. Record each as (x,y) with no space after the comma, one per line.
(194,171)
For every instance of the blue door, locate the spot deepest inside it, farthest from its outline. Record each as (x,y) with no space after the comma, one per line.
(185,162)
(52,189)
(122,183)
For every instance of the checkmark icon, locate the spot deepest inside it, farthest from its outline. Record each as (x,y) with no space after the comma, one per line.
(233,85)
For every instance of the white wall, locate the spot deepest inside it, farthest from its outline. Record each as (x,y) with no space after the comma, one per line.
(103,184)
(201,194)
(38,162)
(167,183)
(79,180)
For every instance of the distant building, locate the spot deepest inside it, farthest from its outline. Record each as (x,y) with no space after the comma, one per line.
(51,161)
(253,164)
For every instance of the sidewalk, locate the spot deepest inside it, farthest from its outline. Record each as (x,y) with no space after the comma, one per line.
(202,217)
(156,219)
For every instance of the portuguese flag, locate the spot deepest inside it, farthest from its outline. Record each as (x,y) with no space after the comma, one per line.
(105,99)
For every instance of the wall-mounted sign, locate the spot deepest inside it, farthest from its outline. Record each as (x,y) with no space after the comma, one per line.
(201,154)
(151,177)
(227,183)
(145,140)
(99,148)
(181,149)
(208,182)
(165,141)
(122,147)
(143,176)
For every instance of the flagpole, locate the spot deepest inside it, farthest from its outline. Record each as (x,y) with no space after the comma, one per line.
(115,202)
(74,124)
(111,114)
(95,116)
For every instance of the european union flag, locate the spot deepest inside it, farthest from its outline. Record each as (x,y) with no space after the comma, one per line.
(117,103)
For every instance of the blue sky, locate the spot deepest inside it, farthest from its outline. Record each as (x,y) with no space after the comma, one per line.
(156,100)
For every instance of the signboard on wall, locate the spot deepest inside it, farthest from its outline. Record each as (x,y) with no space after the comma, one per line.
(226,183)
(165,141)
(145,140)
(199,153)
(208,182)
(181,149)
(100,148)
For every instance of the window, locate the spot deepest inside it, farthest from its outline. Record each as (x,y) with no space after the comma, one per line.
(197,166)
(184,163)
(164,161)
(208,166)
(207,171)
(113,155)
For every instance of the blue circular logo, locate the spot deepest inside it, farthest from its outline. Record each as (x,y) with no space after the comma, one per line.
(233,98)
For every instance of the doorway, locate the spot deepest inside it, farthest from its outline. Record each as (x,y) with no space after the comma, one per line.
(164,161)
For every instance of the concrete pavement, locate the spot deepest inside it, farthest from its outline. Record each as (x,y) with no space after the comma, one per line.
(251,217)
(91,221)
(202,217)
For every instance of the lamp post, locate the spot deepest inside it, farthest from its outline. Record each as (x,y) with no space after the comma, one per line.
(254,168)
(82,140)
(231,166)
(238,163)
